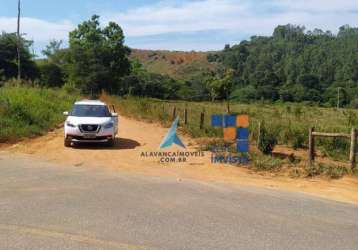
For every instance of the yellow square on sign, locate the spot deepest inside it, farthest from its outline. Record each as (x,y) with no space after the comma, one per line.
(229,134)
(242,121)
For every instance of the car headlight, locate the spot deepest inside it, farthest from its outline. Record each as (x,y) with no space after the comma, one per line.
(69,124)
(108,125)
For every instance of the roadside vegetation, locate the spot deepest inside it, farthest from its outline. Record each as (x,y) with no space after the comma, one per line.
(29,111)
(287,123)
(281,124)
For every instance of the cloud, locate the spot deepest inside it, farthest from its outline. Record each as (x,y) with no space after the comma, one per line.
(206,20)
(318,5)
(257,17)
(37,29)
(168,17)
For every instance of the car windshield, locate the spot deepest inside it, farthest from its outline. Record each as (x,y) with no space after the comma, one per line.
(81,110)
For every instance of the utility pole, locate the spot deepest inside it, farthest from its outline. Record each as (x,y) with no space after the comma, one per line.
(18,41)
(338,97)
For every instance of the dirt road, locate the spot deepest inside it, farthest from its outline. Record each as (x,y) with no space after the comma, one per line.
(136,137)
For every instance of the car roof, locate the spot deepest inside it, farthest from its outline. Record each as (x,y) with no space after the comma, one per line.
(90,102)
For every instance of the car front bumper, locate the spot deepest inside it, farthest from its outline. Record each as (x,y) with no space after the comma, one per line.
(76,135)
(77,138)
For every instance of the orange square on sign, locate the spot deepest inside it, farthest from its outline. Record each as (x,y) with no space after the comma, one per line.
(242,121)
(229,134)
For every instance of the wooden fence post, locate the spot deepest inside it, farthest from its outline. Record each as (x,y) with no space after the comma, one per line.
(352,155)
(202,119)
(185,116)
(310,146)
(174,113)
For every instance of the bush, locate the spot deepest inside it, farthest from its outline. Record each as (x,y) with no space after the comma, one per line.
(298,140)
(26,111)
(312,170)
(267,141)
(70,88)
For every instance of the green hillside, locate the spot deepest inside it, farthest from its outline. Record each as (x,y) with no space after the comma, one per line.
(295,65)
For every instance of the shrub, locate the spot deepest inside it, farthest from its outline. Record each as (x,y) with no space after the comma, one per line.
(267,141)
(29,111)
(70,88)
(298,140)
(312,170)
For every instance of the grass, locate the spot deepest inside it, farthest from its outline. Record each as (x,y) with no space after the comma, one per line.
(289,123)
(28,111)
(333,172)
(266,162)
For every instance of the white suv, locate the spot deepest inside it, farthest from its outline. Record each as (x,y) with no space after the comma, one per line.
(90,121)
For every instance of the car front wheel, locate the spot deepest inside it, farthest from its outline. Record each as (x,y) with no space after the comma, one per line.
(67,143)
(110,143)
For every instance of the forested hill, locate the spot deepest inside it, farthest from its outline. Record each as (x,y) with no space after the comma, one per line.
(294,65)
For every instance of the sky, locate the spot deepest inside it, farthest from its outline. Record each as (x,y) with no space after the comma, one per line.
(200,25)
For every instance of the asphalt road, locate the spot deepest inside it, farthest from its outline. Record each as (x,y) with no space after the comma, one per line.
(49,206)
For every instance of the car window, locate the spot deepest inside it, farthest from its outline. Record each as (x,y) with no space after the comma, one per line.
(81,110)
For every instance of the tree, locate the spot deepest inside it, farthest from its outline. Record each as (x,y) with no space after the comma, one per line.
(214,86)
(244,94)
(294,65)
(9,58)
(51,75)
(98,56)
(228,82)
(52,49)
(309,81)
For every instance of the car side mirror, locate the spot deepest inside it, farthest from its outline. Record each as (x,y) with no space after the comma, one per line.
(114,115)
(65,113)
